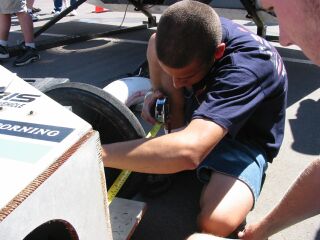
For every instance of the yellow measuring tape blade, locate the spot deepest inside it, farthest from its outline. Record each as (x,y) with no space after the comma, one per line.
(154,131)
(117,184)
(123,176)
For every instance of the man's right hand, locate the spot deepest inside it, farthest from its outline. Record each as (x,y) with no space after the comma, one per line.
(148,108)
(253,232)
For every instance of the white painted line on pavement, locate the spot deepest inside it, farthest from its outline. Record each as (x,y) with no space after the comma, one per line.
(54,35)
(108,39)
(126,41)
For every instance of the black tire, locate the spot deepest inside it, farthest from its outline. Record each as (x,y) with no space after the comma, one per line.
(112,119)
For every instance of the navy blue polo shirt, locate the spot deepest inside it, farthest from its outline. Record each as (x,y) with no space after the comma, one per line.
(245,91)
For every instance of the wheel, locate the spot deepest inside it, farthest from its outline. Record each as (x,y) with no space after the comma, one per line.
(107,115)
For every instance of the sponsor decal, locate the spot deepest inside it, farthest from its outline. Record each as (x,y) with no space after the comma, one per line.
(23,151)
(16,100)
(34,131)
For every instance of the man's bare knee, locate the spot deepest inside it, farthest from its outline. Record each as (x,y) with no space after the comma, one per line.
(225,203)
(218,224)
(194,236)
(202,236)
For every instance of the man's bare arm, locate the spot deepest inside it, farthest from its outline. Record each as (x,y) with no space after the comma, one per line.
(300,202)
(170,153)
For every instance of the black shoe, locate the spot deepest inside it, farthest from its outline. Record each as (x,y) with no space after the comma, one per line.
(35,10)
(28,55)
(4,53)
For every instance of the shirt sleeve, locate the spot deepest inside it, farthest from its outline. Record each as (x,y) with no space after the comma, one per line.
(231,99)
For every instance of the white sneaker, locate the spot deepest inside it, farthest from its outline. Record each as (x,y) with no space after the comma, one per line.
(56,13)
(73,13)
(34,16)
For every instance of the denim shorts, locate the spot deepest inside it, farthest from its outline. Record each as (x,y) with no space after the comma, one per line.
(243,161)
(12,6)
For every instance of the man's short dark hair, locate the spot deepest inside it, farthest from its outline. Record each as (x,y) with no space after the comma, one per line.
(188,30)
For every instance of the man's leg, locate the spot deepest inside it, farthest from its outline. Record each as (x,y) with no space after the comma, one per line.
(225,203)
(33,15)
(72,2)
(30,4)
(30,54)
(203,236)
(5,23)
(233,174)
(57,5)
(73,12)
(26,26)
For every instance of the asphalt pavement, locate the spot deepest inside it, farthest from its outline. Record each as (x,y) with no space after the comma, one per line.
(99,61)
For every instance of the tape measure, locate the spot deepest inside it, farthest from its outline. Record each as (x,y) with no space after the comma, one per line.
(161,111)
(123,176)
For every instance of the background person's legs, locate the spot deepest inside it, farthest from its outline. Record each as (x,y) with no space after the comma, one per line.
(57,5)
(34,16)
(30,53)
(26,26)
(34,9)
(74,12)
(5,24)
(30,4)
(72,2)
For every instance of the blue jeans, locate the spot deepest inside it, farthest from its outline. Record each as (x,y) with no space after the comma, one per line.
(241,160)
(58,4)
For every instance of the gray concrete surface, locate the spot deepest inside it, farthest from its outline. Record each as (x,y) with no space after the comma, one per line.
(99,61)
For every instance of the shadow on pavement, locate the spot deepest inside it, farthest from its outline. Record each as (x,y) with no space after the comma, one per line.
(306,129)
(172,215)
(303,77)
(318,235)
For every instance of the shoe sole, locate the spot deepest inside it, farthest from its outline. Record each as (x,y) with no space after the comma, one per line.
(4,56)
(27,62)
(3,60)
